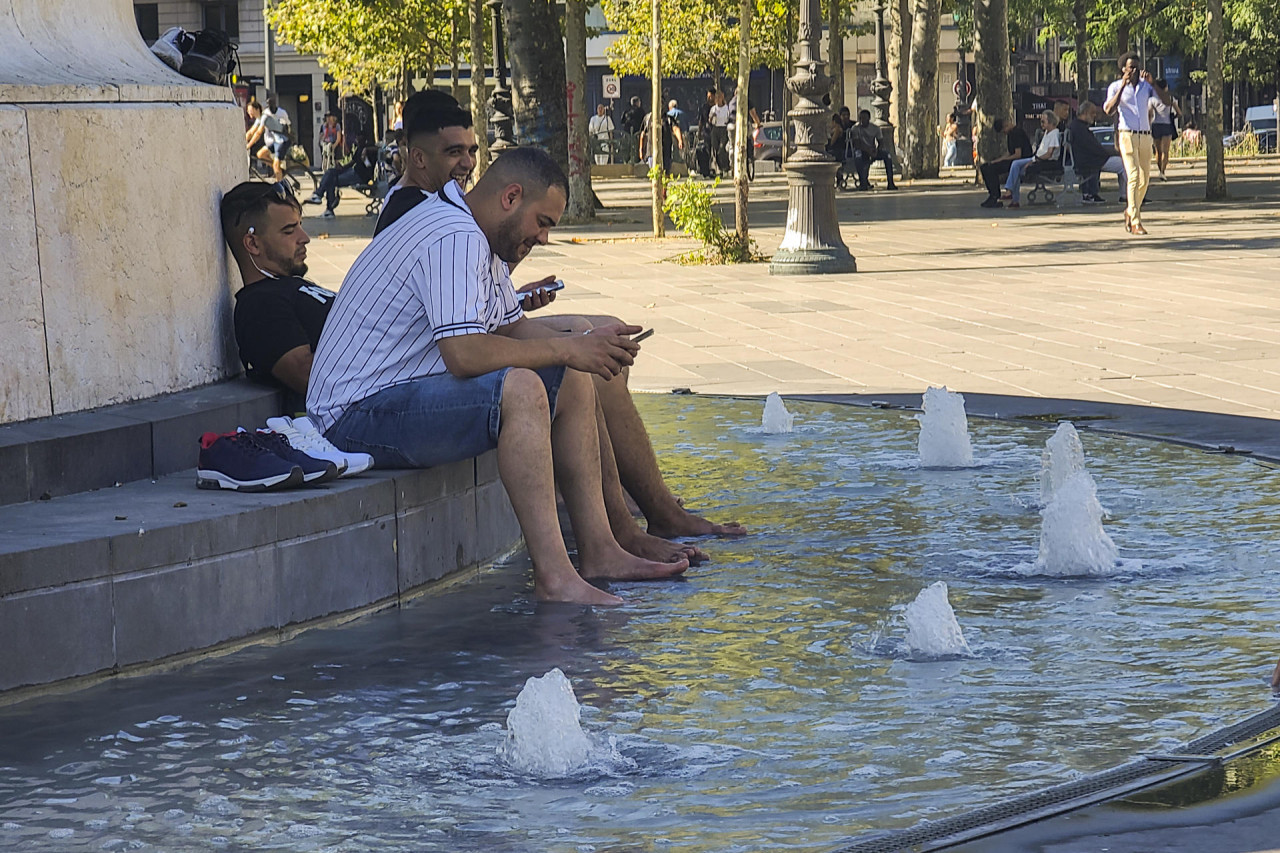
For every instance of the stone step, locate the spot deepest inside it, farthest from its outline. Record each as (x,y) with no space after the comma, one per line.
(106,580)
(66,454)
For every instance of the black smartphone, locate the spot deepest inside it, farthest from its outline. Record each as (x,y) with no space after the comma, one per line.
(640,337)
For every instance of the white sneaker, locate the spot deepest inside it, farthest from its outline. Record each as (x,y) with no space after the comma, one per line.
(328,214)
(315,444)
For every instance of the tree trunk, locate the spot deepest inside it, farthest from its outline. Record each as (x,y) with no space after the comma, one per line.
(920,135)
(1215,185)
(742,122)
(835,52)
(455,53)
(479,91)
(1122,37)
(535,53)
(991,63)
(1080,18)
(656,188)
(581,207)
(899,58)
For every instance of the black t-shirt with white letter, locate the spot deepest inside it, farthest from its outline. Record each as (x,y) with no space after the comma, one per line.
(275,315)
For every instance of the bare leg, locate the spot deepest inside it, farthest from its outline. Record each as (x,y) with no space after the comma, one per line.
(636,463)
(524,463)
(622,522)
(575,450)
(639,472)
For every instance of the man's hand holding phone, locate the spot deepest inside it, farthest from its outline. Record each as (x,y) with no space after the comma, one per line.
(604,350)
(539,294)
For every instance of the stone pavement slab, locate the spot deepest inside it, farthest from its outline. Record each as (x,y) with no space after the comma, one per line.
(1043,302)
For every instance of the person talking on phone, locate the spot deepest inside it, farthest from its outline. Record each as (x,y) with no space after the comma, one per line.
(1130,97)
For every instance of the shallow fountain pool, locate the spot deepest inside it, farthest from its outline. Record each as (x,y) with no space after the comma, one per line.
(766,702)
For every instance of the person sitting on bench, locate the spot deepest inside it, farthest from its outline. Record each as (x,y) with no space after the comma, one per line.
(1046,155)
(1092,158)
(359,172)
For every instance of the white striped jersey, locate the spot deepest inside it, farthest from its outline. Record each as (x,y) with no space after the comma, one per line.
(430,275)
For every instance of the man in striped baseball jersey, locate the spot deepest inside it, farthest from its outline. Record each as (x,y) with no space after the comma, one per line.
(418,365)
(439,157)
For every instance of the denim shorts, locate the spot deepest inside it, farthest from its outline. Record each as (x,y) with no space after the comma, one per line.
(431,421)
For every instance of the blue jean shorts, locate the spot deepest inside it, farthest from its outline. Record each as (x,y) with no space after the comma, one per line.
(431,421)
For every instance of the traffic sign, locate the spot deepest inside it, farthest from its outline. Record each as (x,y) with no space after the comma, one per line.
(962,85)
(612,86)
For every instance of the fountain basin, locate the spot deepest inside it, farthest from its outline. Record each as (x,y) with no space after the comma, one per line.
(752,700)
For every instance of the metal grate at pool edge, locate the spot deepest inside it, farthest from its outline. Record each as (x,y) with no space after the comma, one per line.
(1057,799)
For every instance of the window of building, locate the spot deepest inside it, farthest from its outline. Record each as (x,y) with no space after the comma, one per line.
(223,16)
(148,17)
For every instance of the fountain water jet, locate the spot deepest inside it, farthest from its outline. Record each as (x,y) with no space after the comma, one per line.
(544,732)
(1072,541)
(776,417)
(1063,456)
(932,628)
(944,430)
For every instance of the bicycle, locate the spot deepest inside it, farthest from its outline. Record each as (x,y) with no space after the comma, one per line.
(295,170)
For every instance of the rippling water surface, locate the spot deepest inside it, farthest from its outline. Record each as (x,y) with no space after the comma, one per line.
(763,703)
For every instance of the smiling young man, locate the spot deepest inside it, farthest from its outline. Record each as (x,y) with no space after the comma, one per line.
(278,314)
(440,148)
(420,364)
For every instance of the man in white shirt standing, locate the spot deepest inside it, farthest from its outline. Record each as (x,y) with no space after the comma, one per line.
(1131,98)
(720,116)
(601,129)
(422,359)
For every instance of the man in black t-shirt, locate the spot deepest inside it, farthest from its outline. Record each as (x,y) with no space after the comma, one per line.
(632,121)
(279,314)
(1018,145)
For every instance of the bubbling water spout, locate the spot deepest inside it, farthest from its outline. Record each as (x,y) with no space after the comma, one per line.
(776,417)
(1072,541)
(544,732)
(1063,456)
(944,430)
(932,628)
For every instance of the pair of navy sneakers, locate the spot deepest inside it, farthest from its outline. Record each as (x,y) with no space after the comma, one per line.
(291,452)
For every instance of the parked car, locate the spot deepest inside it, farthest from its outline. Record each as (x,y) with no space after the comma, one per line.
(768,141)
(1261,121)
(1106,135)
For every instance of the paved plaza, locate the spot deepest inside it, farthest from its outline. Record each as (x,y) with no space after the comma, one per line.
(1043,302)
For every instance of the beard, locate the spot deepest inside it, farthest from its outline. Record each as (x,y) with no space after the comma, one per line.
(289,265)
(506,241)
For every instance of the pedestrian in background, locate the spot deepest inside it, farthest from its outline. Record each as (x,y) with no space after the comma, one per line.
(600,129)
(1131,98)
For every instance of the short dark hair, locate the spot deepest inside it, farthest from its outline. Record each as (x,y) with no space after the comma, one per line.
(532,168)
(862,113)
(1126,56)
(1162,83)
(431,111)
(245,204)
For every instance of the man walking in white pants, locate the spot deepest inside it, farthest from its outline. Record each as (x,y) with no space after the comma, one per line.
(1131,97)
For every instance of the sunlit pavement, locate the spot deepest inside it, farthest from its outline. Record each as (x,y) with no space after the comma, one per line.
(1044,301)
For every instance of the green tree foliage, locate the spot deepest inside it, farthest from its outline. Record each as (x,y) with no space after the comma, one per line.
(697,35)
(363,43)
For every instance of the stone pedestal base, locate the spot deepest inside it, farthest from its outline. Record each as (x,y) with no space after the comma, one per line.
(114,283)
(812,243)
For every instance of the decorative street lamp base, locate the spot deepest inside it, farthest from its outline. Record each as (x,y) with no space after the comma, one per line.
(812,243)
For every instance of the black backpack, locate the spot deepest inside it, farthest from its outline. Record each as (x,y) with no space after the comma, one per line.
(211,57)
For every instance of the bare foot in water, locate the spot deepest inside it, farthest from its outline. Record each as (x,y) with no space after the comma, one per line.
(572,589)
(687,524)
(1275,679)
(622,566)
(650,547)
